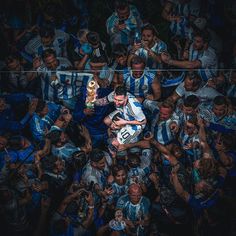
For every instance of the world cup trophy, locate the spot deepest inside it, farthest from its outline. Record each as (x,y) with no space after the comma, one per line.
(91,94)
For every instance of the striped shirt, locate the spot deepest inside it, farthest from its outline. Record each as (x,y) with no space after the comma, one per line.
(132,110)
(71,83)
(161,130)
(227,121)
(39,125)
(140,87)
(52,90)
(126,36)
(208,59)
(157,48)
(35,46)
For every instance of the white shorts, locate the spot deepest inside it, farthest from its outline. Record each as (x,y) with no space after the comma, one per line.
(129,134)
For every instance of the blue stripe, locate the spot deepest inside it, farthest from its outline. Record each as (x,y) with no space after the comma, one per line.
(141,92)
(132,85)
(164,133)
(203,75)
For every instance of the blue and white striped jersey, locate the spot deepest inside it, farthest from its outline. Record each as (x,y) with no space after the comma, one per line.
(51,89)
(132,110)
(161,129)
(71,83)
(158,48)
(39,125)
(133,212)
(228,121)
(209,62)
(185,139)
(66,151)
(35,46)
(205,93)
(140,87)
(126,36)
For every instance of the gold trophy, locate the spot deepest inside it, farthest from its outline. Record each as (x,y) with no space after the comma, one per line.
(91,94)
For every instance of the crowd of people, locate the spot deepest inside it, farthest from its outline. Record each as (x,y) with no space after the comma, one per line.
(118,127)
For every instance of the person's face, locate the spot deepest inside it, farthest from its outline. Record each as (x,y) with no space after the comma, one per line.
(219,110)
(165,113)
(198,43)
(120,177)
(51,62)
(188,84)
(137,70)
(123,14)
(14,65)
(135,195)
(63,139)
(2,104)
(189,128)
(59,165)
(120,100)
(101,164)
(188,110)
(148,37)
(121,60)
(177,151)
(47,41)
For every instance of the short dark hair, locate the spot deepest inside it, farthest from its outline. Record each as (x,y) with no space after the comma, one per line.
(93,38)
(54,136)
(40,105)
(121,90)
(120,4)
(96,155)
(137,60)
(133,160)
(46,32)
(220,100)
(119,49)
(48,52)
(117,168)
(168,104)
(191,101)
(193,75)
(204,34)
(150,27)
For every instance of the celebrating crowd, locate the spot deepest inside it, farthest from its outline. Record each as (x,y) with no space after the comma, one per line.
(118,118)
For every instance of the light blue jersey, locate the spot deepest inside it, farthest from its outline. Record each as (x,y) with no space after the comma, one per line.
(158,48)
(140,87)
(161,130)
(52,90)
(35,46)
(209,62)
(126,36)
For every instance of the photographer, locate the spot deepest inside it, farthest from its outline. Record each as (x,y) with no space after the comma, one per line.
(69,219)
